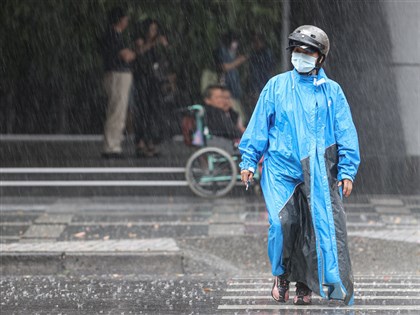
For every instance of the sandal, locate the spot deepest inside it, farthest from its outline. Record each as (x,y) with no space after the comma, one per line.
(280,289)
(303,294)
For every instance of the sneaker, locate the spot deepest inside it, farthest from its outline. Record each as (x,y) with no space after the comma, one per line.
(303,294)
(280,290)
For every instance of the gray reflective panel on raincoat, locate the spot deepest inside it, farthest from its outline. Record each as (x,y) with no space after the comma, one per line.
(302,125)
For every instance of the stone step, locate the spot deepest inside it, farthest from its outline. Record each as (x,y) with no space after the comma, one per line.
(93,181)
(88,257)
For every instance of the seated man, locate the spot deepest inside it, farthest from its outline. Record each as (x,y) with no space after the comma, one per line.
(220,118)
(223,122)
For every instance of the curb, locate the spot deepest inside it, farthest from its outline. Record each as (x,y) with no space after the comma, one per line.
(39,263)
(148,256)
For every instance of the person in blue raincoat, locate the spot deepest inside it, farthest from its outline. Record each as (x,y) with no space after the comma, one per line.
(303,128)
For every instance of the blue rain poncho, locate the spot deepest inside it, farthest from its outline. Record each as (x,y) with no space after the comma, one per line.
(302,125)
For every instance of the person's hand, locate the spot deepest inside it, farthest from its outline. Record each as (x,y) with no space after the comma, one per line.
(347,186)
(241,59)
(163,40)
(246,177)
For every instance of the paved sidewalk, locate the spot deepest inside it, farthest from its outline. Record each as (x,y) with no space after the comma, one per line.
(81,219)
(116,255)
(47,228)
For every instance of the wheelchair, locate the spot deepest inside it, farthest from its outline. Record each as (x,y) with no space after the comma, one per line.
(211,172)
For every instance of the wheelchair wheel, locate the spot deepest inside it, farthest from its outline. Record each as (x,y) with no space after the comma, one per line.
(211,172)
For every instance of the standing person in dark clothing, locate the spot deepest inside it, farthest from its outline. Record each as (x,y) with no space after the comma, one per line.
(117,82)
(152,77)
(227,62)
(261,69)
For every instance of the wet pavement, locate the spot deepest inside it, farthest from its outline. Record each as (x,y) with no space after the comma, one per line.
(178,255)
(131,294)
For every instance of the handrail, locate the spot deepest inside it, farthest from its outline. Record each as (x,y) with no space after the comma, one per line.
(90,170)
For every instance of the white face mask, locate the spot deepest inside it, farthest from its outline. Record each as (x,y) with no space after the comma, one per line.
(303,63)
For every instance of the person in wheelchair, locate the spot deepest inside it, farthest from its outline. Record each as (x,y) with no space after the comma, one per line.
(223,122)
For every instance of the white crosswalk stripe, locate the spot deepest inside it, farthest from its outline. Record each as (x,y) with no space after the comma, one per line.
(403,277)
(357,284)
(356,289)
(373,294)
(373,297)
(321,307)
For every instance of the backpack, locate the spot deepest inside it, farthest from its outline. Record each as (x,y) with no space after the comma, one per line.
(188,127)
(193,136)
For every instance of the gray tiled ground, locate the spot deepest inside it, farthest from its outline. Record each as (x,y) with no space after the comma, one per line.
(52,218)
(158,244)
(121,218)
(227,218)
(405,235)
(386,201)
(226,229)
(399,219)
(44,231)
(393,210)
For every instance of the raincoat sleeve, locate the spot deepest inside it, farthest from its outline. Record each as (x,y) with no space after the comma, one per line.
(346,139)
(254,141)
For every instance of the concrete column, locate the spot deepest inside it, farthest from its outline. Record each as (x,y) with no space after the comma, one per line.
(285,31)
(404,25)
(375,57)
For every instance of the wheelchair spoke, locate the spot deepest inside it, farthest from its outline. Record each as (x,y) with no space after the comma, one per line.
(211,173)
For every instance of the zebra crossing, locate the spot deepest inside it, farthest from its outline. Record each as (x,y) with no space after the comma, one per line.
(381,294)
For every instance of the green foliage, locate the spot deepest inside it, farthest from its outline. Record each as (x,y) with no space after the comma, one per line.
(51,69)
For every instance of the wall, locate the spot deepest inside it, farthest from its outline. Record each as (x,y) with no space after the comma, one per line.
(375,58)
(404,24)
